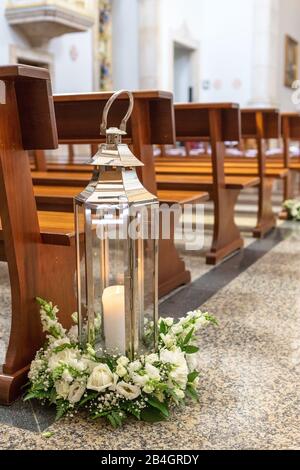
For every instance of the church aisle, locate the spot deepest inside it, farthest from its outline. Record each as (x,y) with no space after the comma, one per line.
(249,393)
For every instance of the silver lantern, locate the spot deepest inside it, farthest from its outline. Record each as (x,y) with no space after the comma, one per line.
(116,222)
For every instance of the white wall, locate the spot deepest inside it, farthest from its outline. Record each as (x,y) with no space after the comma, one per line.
(220,33)
(69,75)
(125,44)
(73,75)
(289,24)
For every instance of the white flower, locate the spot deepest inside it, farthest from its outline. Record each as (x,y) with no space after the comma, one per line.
(192,361)
(66,356)
(148,388)
(74,317)
(179,375)
(168,321)
(140,380)
(120,370)
(66,376)
(176,356)
(123,361)
(115,381)
(177,329)
(101,378)
(134,366)
(179,393)
(62,389)
(168,340)
(56,343)
(35,368)
(151,358)
(152,371)
(129,391)
(89,364)
(76,391)
(73,334)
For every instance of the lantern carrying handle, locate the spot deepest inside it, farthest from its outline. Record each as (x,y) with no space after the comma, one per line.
(107,107)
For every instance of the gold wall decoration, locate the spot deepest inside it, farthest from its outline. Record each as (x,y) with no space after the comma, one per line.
(105,45)
(291,61)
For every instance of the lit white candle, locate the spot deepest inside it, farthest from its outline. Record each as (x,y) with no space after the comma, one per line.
(113,302)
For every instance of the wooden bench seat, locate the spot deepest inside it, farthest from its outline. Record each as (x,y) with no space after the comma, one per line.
(57,228)
(61,198)
(204,183)
(206,169)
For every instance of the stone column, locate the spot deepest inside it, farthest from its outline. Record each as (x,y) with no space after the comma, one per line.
(149,43)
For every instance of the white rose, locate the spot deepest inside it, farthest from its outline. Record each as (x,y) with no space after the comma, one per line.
(115,381)
(151,358)
(120,370)
(76,391)
(134,366)
(140,380)
(152,371)
(101,378)
(62,357)
(129,391)
(123,361)
(66,376)
(62,389)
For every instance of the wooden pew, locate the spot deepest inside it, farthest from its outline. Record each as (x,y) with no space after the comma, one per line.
(78,118)
(216,123)
(39,248)
(258,124)
(290,132)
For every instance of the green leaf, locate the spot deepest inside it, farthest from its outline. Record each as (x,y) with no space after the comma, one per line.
(90,397)
(152,415)
(188,336)
(162,407)
(191,392)
(47,434)
(162,327)
(191,349)
(211,319)
(112,420)
(62,347)
(192,376)
(61,409)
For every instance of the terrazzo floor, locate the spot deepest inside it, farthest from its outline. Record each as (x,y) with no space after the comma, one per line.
(249,388)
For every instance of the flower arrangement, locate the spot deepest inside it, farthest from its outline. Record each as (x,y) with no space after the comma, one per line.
(292,208)
(111,386)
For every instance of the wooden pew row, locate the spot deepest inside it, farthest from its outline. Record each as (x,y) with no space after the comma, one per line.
(217,123)
(225,126)
(259,124)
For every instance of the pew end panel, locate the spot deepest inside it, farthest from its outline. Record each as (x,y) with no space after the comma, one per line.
(27,121)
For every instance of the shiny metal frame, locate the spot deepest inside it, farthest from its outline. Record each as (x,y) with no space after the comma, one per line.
(115,184)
